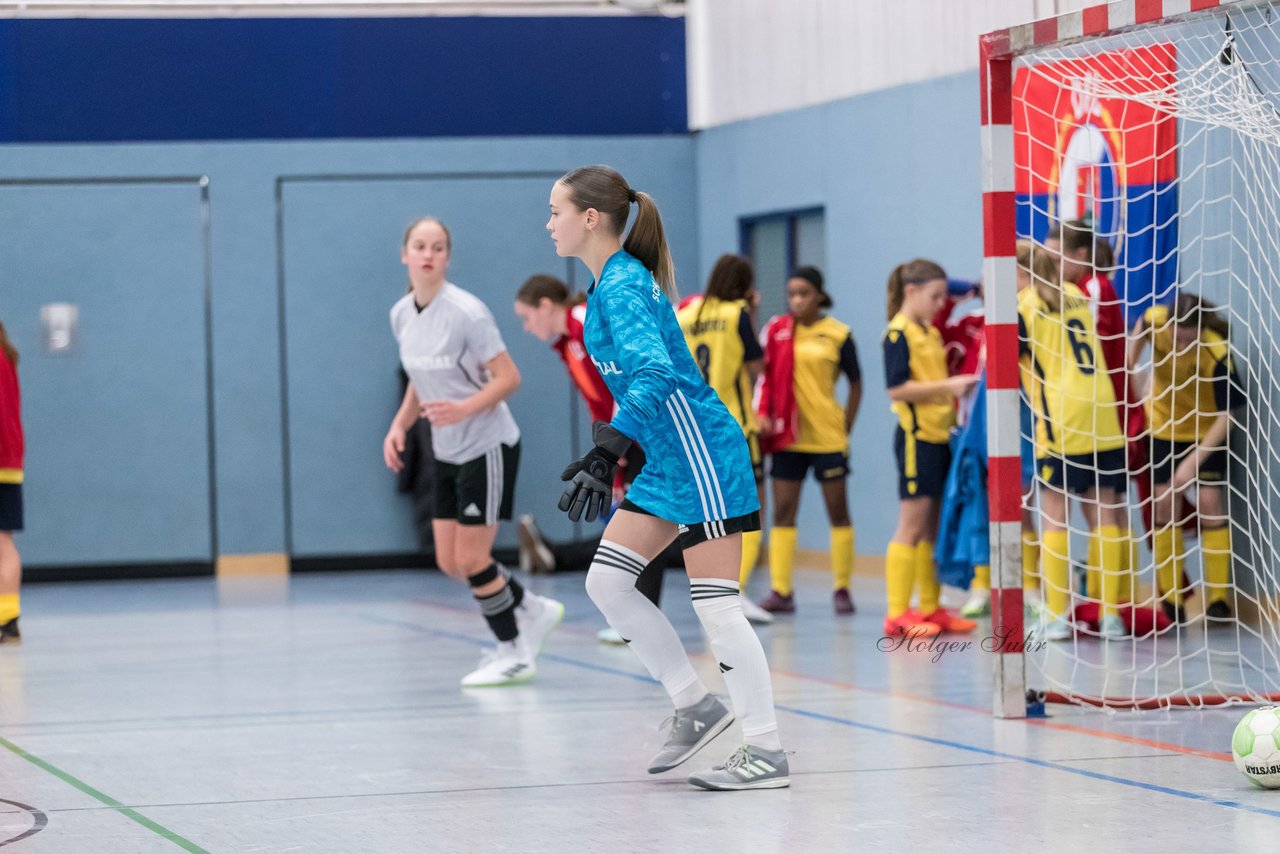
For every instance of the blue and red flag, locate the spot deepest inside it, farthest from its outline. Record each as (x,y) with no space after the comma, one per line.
(1084,151)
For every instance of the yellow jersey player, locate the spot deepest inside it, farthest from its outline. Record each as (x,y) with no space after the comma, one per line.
(1194,387)
(722,338)
(923,396)
(1080,446)
(806,352)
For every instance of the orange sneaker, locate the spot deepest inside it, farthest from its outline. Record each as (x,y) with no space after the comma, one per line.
(911,624)
(949,622)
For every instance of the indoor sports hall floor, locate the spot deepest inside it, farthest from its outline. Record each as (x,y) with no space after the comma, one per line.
(323,714)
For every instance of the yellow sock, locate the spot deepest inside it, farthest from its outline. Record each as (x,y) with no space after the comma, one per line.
(782,555)
(899,577)
(1093,569)
(1167,545)
(1132,562)
(1030,561)
(1055,563)
(841,557)
(9,607)
(927,578)
(1215,545)
(1112,549)
(981,577)
(750,554)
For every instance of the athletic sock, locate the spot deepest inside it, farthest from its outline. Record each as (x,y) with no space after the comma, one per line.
(750,554)
(899,577)
(1167,546)
(981,577)
(9,607)
(611,584)
(1215,545)
(1093,568)
(1055,567)
(1112,551)
(927,585)
(650,581)
(782,555)
(841,556)
(1030,561)
(741,658)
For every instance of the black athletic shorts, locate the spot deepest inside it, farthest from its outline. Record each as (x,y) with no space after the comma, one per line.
(689,536)
(794,465)
(479,491)
(1166,455)
(1079,473)
(10,507)
(922,466)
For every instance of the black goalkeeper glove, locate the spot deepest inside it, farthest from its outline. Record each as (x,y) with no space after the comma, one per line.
(591,478)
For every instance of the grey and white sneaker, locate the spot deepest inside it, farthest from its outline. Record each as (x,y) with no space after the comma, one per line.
(747,768)
(692,729)
(509,664)
(1113,627)
(537,617)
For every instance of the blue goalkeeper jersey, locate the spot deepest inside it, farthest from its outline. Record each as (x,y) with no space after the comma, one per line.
(697,465)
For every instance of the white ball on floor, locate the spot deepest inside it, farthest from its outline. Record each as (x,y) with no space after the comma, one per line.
(1256,747)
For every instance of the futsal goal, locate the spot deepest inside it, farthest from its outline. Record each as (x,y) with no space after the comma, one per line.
(1148,132)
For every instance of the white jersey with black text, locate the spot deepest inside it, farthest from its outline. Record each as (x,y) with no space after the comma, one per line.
(444,349)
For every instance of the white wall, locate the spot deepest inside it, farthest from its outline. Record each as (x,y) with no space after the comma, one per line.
(750,58)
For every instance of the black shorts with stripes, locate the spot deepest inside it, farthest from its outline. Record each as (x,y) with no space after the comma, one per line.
(479,491)
(700,532)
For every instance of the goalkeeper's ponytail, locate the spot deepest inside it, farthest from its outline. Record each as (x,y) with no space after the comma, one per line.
(604,189)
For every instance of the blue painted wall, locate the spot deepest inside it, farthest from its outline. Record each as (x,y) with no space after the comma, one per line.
(309,78)
(898,174)
(118,459)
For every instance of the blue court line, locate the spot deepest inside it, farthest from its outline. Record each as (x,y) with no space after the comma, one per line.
(819,716)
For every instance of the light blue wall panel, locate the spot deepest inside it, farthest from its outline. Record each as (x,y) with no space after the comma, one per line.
(118,458)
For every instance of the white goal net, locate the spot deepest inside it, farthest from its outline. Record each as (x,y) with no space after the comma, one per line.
(1148,171)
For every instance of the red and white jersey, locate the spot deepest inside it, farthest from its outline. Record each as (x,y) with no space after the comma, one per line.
(1108,322)
(581,370)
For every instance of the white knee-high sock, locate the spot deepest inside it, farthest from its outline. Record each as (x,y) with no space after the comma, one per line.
(741,658)
(611,584)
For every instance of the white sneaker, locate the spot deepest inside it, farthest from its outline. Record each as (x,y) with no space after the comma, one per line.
(754,613)
(509,664)
(979,604)
(609,636)
(536,617)
(1112,627)
(1057,629)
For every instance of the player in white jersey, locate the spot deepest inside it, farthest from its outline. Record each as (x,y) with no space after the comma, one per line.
(460,375)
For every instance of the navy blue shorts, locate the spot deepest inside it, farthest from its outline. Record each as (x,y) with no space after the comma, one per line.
(1079,473)
(794,465)
(10,507)
(1166,455)
(922,466)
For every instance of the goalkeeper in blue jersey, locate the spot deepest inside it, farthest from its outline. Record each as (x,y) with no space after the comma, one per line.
(697,487)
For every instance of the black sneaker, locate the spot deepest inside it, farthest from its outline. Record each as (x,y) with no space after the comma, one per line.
(9,632)
(1174,612)
(1218,610)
